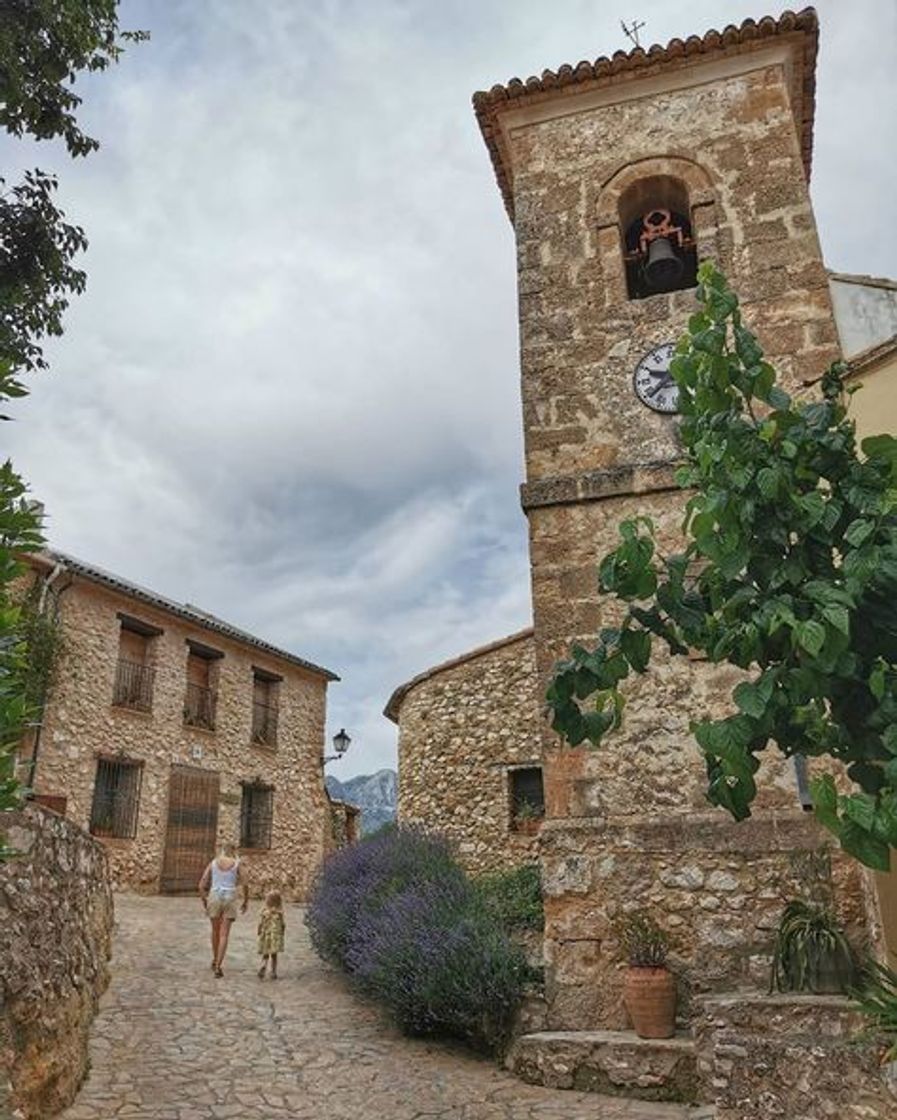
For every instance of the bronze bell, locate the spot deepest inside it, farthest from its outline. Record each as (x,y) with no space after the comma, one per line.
(664,267)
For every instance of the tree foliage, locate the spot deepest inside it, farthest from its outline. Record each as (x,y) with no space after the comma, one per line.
(44,45)
(789,571)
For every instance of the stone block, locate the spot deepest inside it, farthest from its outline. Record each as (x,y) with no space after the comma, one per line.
(614,1063)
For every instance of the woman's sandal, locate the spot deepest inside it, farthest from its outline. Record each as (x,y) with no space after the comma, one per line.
(218,972)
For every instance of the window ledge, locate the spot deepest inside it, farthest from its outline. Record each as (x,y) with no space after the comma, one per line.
(266,748)
(196,727)
(253,851)
(142,712)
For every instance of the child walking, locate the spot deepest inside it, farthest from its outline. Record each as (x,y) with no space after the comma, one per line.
(270,933)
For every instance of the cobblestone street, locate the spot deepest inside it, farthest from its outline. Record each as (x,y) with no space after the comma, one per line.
(173,1043)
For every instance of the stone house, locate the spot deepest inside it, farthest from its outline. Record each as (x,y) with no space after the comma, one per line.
(168,730)
(619,176)
(470,753)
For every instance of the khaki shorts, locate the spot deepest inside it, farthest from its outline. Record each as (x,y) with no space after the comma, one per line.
(222,906)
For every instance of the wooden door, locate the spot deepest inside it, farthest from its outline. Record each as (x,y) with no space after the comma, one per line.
(192,827)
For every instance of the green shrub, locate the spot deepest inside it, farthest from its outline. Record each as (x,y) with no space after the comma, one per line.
(513,897)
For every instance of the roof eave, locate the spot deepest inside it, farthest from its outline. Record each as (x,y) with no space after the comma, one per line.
(488,105)
(394,704)
(79,570)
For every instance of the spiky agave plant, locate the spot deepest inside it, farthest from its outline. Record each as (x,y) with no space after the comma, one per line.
(876,1000)
(812,952)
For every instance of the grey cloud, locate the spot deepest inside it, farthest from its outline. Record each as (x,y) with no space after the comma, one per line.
(290,394)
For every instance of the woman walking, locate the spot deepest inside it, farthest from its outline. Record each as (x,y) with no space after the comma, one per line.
(218,890)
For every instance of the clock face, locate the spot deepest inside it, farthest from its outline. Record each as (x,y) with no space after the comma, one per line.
(653,382)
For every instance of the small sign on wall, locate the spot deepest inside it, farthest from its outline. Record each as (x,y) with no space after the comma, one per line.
(196,752)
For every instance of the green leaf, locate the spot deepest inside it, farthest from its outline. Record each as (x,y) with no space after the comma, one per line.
(837,617)
(753,697)
(811,636)
(778,398)
(637,648)
(858,531)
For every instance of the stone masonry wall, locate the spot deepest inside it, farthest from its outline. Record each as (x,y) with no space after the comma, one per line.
(56,917)
(81,723)
(717,888)
(626,826)
(791,1056)
(594,452)
(460,729)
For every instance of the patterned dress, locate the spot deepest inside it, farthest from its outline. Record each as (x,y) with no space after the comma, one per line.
(270,932)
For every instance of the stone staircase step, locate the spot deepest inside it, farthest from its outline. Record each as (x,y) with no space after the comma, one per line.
(614,1063)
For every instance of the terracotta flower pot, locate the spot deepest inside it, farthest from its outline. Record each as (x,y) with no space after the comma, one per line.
(649,995)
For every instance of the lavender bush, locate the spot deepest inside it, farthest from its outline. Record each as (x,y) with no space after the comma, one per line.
(361,878)
(398,914)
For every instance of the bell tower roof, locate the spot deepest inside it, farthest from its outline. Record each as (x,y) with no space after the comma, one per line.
(793,38)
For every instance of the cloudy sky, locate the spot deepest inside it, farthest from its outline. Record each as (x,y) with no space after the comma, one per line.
(290,392)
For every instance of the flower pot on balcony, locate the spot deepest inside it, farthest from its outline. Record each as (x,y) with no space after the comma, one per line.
(649,995)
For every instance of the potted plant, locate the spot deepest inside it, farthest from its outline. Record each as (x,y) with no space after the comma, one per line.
(649,988)
(812,953)
(527,817)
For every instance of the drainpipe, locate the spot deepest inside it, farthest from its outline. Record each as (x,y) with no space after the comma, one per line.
(45,592)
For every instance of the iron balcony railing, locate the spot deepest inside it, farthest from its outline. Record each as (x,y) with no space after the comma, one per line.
(264,723)
(199,706)
(134,685)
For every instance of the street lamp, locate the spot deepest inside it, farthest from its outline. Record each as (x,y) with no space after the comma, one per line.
(341,743)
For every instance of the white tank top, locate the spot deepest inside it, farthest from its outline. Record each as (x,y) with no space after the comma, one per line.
(224,882)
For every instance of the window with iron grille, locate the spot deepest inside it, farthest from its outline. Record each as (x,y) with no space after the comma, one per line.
(264,708)
(256,816)
(201,696)
(134,673)
(116,798)
(527,794)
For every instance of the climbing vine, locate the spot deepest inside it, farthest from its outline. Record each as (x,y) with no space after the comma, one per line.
(789,571)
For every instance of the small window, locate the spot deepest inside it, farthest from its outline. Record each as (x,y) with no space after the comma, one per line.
(256,816)
(527,797)
(116,798)
(134,673)
(265,689)
(201,697)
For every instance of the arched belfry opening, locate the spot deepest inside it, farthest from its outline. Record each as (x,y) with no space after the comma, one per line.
(659,248)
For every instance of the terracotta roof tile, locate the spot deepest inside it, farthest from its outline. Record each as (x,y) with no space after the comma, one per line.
(488,105)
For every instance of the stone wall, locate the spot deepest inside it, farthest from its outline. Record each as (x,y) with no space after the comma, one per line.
(56,916)
(717,888)
(791,1056)
(727,124)
(461,727)
(82,723)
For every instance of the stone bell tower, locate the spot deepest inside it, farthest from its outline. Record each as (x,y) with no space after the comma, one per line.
(619,177)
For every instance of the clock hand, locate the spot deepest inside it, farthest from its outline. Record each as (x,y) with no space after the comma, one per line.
(662,384)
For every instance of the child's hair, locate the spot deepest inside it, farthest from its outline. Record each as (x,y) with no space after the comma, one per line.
(273,900)
(228,848)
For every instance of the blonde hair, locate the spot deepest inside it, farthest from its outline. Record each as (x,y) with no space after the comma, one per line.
(228,848)
(273,900)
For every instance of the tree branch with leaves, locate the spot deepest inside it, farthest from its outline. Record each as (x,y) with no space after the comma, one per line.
(789,571)
(44,45)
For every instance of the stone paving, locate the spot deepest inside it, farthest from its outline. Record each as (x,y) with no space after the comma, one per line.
(173,1043)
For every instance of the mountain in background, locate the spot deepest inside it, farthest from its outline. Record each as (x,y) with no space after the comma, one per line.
(374,794)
